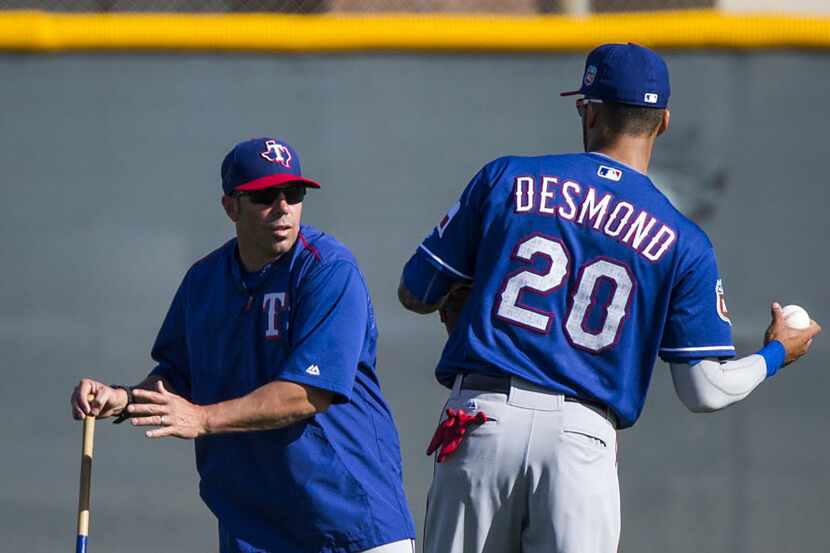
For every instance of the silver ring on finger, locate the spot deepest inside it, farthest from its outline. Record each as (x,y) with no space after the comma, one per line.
(162,420)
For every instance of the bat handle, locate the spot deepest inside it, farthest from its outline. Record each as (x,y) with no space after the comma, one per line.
(86,479)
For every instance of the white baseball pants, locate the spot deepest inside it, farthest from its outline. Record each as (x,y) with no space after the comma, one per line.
(540,477)
(403,546)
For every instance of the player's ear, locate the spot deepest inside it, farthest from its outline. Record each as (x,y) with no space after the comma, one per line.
(231,206)
(664,124)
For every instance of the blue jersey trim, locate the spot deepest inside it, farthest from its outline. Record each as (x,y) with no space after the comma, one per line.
(774,355)
(444,264)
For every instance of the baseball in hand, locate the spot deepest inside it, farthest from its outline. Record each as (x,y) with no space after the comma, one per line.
(795,316)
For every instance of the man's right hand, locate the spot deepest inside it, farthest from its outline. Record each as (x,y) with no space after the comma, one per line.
(796,341)
(94,398)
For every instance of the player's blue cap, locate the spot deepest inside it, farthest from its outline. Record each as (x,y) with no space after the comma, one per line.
(625,74)
(262,163)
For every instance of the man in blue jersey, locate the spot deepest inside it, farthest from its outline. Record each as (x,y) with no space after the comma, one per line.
(267,360)
(561,279)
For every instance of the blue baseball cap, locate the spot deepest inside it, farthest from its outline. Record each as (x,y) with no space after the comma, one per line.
(625,74)
(262,163)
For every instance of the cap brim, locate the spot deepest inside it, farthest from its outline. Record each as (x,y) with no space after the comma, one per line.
(276,181)
(570,93)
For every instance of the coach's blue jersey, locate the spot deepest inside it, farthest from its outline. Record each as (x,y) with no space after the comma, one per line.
(331,483)
(582,273)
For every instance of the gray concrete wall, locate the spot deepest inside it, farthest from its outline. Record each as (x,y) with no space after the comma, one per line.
(109,168)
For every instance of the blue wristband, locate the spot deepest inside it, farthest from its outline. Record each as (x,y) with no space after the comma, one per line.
(774,354)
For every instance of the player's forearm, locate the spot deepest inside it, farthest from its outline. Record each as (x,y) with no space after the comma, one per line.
(711,385)
(413,303)
(423,287)
(275,405)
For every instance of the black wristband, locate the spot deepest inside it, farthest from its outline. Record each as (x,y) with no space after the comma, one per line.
(124,414)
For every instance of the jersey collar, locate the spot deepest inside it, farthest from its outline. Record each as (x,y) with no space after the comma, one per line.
(235,267)
(618,162)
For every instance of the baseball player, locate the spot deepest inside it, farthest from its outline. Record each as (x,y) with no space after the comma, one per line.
(562,278)
(267,360)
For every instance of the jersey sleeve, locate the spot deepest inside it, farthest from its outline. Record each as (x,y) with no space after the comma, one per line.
(698,323)
(451,247)
(170,348)
(425,280)
(328,331)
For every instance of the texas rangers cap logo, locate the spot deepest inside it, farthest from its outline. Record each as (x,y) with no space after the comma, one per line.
(277,153)
(720,300)
(590,75)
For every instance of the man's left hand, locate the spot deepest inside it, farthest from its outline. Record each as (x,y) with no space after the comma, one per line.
(450,308)
(174,415)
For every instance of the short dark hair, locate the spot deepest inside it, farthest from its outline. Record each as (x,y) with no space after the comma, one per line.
(632,120)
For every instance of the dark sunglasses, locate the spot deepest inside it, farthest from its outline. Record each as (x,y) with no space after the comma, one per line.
(268,196)
(582,103)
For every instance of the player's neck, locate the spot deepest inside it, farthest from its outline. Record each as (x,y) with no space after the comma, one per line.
(634,151)
(252,260)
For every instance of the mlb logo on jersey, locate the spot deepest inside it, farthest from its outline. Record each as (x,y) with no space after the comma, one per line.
(276,153)
(609,173)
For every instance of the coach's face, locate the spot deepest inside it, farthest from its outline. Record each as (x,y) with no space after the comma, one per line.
(267,222)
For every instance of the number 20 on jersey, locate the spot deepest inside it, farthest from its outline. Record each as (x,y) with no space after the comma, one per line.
(509,310)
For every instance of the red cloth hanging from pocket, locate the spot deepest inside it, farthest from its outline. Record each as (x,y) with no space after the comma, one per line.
(450,433)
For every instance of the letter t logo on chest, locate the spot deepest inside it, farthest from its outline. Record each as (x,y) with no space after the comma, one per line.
(272,304)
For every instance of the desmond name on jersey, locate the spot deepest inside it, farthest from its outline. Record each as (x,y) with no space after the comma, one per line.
(581,205)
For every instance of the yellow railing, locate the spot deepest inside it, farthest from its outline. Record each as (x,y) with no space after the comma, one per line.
(42,31)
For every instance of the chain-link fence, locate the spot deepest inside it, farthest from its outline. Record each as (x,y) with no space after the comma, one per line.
(356,6)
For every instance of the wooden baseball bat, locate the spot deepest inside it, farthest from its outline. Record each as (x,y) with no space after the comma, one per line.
(86,479)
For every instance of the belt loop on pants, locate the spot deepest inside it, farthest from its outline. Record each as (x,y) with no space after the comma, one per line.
(522,393)
(530,396)
(519,392)
(457,385)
